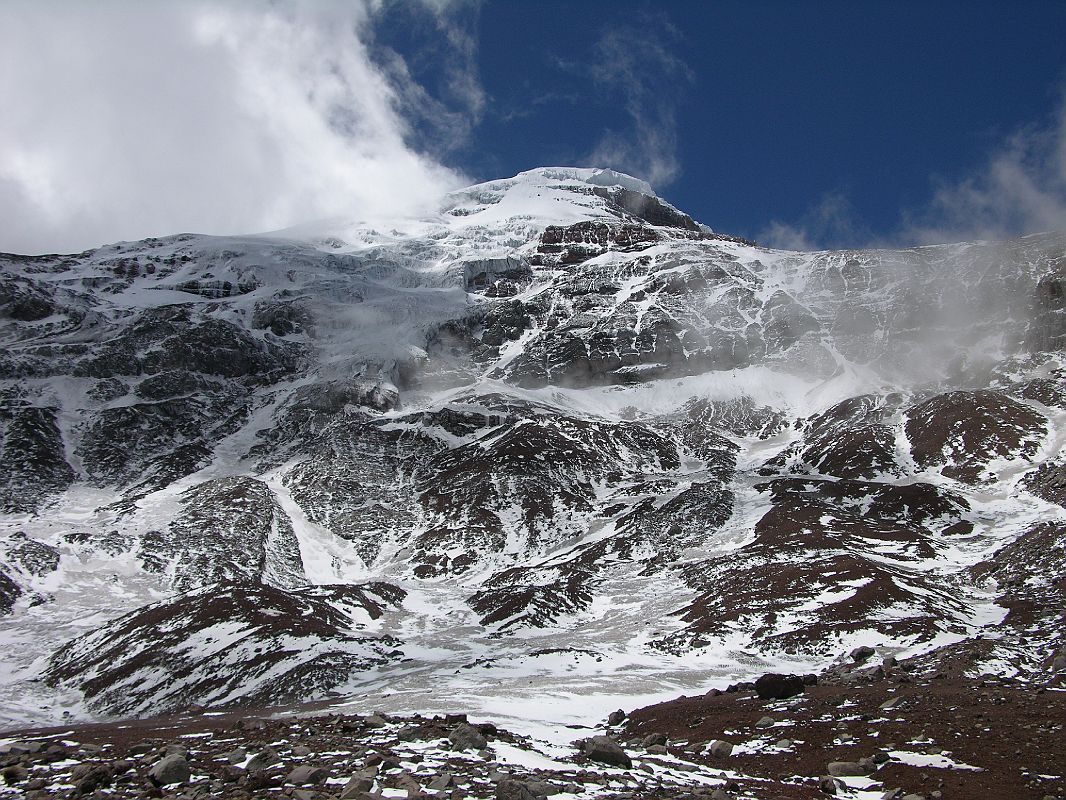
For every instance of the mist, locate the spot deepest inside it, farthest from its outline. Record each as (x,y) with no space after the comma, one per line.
(1019,188)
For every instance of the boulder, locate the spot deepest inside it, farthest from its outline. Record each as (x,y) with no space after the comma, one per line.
(829,785)
(515,790)
(653,739)
(775,686)
(543,788)
(169,770)
(860,654)
(407,782)
(843,769)
(90,777)
(258,781)
(720,748)
(616,717)
(1058,664)
(302,776)
(357,786)
(443,781)
(15,774)
(266,757)
(607,751)
(467,737)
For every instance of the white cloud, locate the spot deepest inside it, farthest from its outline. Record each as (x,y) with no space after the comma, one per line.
(1020,189)
(123,120)
(829,223)
(638,66)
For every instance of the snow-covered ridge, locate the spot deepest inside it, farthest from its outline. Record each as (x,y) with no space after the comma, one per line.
(577,438)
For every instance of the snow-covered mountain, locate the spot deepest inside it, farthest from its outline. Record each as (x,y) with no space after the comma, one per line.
(556,439)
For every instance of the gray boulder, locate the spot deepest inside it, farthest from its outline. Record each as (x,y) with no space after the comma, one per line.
(653,739)
(860,654)
(829,785)
(607,751)
(170,770)
(720,748)
(88,778)
(516,790)
(893,703)
(301,776)
(543,788)
(443,781)
(842,769)
(357,787)
(467,737)
(15,774)
(267,757)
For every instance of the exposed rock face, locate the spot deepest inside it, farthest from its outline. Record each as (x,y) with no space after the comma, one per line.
(227,644)
(540,469)
(25,300)
(150,445)
(558,408)
(813,551)
(230,529)
(854,439)
(1028,574)
(1048,481)
(9,593)
(33,463)
(30,556)
(961,432)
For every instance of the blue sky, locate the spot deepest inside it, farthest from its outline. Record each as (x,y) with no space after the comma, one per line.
(839,118)
(799,124)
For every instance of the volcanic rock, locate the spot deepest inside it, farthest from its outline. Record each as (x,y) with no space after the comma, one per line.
(170,770)
(467,737)
(775,686)
(606,750)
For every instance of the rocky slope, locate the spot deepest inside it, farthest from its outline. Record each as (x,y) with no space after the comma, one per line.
(890,730)
(556,439)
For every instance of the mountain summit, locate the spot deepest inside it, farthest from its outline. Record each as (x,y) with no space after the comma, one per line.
(556,436)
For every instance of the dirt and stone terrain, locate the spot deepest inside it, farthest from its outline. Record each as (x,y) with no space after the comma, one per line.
(864,728)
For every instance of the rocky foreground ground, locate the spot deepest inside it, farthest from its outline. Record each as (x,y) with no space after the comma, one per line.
(891,731)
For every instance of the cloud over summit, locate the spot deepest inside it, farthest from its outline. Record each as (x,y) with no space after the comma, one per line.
(125,120)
